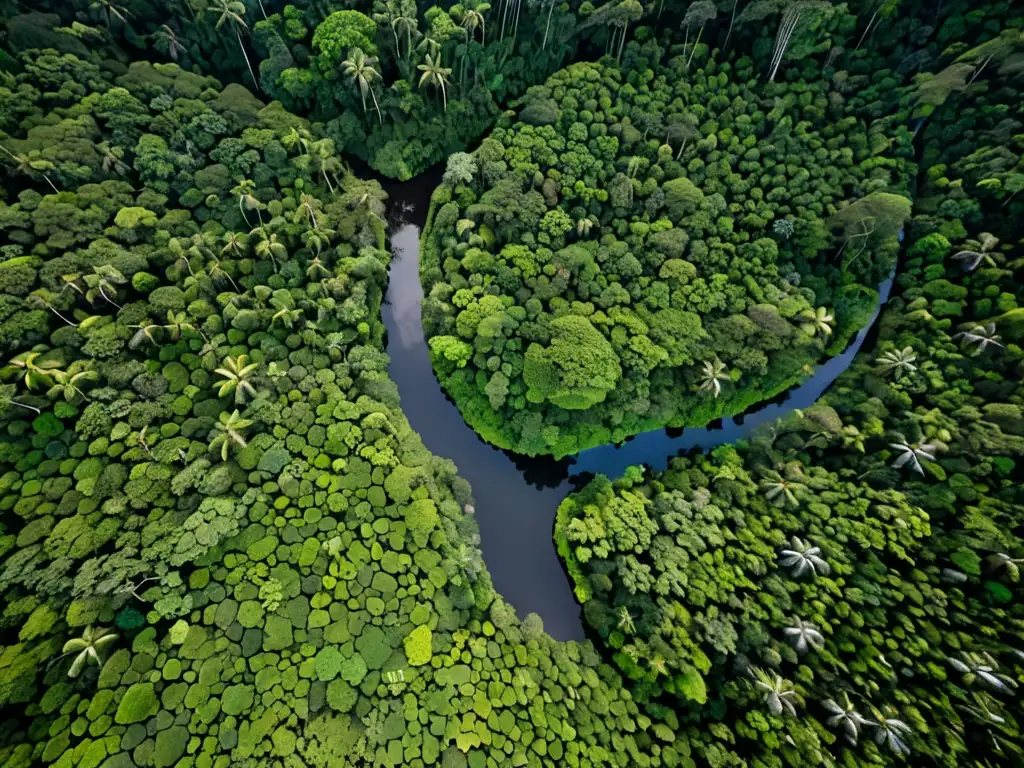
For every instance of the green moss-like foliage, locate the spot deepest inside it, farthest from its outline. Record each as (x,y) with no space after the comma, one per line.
(417,646)
(587,280)
(247,528)
(139,703)
(237,699)
(748,572)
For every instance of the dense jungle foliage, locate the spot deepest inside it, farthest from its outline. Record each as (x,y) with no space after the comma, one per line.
(221,544)
(852,574)
(652,247)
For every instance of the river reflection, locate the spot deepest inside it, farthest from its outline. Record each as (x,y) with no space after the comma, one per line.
(516,496)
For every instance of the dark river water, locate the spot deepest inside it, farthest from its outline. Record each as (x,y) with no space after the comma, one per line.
(516,496)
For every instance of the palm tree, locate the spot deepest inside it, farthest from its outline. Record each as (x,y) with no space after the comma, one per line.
(317,239)
(102,282)
(229,432)
(296,138)
(178,323)
(287,312)
(436,75)
(270,246)
(911,454)
(626,621)
(780,490)
(166,40)
(325,159)
(473,18)
(776,691)
(405,22)
(246,200)
(804,636)
(972,259)
(106,11)
(28,166)
(817,321)
(68,384)
(309,206)
(235,244)
(316,268)
(846,716)
(217,270)
(804,557)
(981,335)
(144,332)
(897,362)
(233,12)
(41,298)
(113,159)
(713,373)
(87,648)
(982,668)
(236,371)
(31,370)
(361,69)
(659,665)
(891,733)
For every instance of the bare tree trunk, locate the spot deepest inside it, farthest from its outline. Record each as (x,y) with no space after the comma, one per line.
(74,325)
(694,49)
(732,23)
(785,34)
(376,105)
(867,29)
(978,70)
(551,8)
(252,74)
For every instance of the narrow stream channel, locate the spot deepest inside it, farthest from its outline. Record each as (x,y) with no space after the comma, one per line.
(516,496)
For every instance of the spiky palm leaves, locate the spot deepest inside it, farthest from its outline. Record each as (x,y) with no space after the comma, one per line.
(69,383)
(235,372)
(897,362)
(816,322)
(33,369)
(101,283)
(625,622)
(803,557)
(473,19)
(780,490)
(362,70)
(846,716)
(87,648)
(436,75)
(891,733)
(776,692)
(911,454)
(972,259)
(804,636)
(247,201)
(712,374)
(144,332)
(982,668)
(229,432)
(980,336)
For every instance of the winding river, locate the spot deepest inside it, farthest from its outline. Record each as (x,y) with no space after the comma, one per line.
(516,496)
